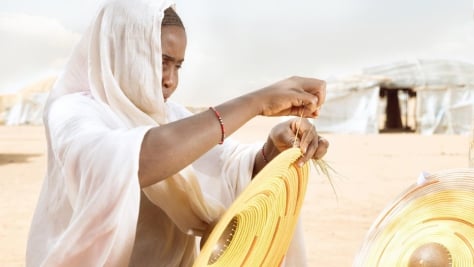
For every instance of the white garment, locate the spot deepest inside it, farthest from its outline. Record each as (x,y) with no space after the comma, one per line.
(91,211)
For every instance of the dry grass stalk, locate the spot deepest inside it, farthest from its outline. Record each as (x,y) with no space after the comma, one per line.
(322,167)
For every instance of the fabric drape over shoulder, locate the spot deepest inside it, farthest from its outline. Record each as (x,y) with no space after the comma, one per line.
(91,210)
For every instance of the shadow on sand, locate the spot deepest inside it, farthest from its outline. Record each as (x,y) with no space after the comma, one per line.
(16,158)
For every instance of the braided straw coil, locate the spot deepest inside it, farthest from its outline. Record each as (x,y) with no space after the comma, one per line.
(257,228)
(430,224)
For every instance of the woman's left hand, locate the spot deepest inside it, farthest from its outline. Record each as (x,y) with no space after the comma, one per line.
(283,136)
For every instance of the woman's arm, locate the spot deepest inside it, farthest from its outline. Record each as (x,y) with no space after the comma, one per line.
(169,148)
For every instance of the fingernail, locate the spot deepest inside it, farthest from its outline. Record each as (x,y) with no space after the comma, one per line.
(300,164)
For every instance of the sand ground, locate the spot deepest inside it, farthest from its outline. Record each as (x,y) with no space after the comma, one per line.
(373,170)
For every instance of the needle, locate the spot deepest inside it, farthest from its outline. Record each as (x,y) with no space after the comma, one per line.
(298,129)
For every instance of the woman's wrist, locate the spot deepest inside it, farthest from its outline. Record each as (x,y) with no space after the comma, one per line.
(269,150)
(266,153)
(254,102)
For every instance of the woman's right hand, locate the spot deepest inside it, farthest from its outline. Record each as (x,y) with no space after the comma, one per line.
(295,96)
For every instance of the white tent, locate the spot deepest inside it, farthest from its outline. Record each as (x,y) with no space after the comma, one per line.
(444,101)
(26,105)
(352,106)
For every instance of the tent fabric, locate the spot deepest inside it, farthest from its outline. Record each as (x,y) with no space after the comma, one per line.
(449,111)
(27,110)
(26,105)
(423,74)
(6,102)
(444,102)
(350,107)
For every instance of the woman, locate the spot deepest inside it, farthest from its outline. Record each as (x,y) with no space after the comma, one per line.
(133,178)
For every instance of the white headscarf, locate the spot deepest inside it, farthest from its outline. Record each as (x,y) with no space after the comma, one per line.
(123,53)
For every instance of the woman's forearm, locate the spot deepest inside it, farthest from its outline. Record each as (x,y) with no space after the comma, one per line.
(264,155)
(169,148)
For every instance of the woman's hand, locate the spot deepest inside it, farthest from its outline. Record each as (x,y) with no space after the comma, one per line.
(283,136)
(295,96)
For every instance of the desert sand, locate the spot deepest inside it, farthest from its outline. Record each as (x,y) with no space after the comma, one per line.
(372,171)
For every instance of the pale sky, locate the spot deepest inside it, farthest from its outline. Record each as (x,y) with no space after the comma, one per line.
(238,46)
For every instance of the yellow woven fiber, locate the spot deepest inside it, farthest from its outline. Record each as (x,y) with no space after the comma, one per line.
(440,211)
(258,227)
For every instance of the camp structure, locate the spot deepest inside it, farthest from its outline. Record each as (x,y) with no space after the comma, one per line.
(423,96)
(25,106)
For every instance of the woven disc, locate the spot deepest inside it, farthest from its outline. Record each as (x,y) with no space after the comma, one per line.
(430,224)
(258,227)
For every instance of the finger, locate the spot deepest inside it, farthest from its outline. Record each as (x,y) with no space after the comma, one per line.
(323,145)
(313,115)
(310,152)
(310,112)
(304,105)
(315,87)
(310,102)
(307,133)
(309,142)
(316,113)
(308,138)
(293,140)
(304,112)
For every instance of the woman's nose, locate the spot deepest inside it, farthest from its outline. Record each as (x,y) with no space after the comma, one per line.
(169,79)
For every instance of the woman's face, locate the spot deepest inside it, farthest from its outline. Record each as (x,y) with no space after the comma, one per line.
(173,44)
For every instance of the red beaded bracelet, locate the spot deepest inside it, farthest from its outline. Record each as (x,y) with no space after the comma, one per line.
(219,118)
